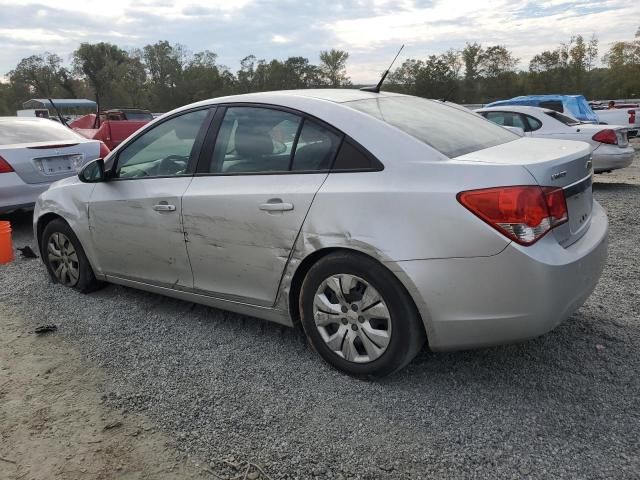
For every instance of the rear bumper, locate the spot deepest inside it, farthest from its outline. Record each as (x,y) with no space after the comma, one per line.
(612,158)
(15,194)
(520,293)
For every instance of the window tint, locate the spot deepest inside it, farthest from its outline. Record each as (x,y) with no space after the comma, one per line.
(534,123)
(351,157)
(572,122)
(164,150)
(13,131)
(452,131)
(254,140)
(315,148)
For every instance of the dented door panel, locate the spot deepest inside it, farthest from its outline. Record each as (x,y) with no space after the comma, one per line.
(238,244)
(135,232)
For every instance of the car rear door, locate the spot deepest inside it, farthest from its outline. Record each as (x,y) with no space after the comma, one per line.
(135,218)
(249,198)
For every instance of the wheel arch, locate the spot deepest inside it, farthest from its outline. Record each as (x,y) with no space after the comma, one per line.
(315,256)
(42,223)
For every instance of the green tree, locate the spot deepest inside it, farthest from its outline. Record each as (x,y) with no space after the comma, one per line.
(43,74)
(333,65)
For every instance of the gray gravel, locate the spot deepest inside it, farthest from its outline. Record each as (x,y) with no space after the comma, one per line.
(224,386)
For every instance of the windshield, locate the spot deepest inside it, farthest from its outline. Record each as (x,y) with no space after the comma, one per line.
(572,122)
(31,131)
(450,130)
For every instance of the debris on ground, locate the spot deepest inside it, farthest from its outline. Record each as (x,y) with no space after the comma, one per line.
(112,425)
(45,329)
(27,252)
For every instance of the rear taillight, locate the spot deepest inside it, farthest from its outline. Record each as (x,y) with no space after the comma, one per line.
(524,213)
(632,116)
(606,136)
(4,166)
(104,150)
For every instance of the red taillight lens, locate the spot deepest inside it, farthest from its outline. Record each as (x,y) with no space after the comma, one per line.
(632,116)
(104,150)
(606,136)
(524,213)
(4,166)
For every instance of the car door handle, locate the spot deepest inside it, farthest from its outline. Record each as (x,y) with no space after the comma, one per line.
(164,207)
(276,205)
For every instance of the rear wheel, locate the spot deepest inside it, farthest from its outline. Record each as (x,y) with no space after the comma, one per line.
(65,259)
(358,316)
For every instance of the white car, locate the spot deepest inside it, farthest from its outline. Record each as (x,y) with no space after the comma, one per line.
(610,148)
(34,152)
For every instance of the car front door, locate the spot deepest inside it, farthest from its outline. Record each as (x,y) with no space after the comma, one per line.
(248,200)
(134,217)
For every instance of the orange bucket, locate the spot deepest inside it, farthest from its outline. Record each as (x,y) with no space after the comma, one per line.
(6,245)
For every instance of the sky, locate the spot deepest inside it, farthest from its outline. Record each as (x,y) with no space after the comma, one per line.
(370,30)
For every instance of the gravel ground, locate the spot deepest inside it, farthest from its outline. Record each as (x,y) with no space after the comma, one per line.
(228,387)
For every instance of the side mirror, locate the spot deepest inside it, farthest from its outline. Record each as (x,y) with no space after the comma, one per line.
(517,130)
(93,172)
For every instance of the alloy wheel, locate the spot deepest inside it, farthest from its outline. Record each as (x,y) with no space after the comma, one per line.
(63,259)
(352,318)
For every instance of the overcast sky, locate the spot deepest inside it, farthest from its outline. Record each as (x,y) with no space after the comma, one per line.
(370,30)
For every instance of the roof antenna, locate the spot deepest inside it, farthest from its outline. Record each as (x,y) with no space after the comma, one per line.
(60,117)
(376,88)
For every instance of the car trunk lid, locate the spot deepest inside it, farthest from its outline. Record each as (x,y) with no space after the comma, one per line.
(45,162)
(552,163)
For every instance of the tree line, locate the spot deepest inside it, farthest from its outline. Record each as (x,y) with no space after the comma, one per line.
(162,76)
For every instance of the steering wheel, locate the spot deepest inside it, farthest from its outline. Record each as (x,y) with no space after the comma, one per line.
(172,165)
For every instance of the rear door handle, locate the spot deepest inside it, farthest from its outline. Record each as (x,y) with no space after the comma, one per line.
(164,207)
(276,205)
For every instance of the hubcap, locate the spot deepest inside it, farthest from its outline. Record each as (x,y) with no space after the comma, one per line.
(352,318)
(63,259)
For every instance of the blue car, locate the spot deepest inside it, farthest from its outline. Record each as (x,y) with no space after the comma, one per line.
(575,105)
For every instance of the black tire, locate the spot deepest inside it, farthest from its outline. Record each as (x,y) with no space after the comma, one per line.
(407,335)
(86,281)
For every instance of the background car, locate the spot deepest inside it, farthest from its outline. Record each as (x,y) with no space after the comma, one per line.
(364,217)
(610,147)
(573,105)
(34,152)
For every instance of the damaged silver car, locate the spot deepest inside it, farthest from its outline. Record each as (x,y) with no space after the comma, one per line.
(376,221)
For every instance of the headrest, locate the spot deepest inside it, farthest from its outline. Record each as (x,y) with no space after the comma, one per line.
(253,141)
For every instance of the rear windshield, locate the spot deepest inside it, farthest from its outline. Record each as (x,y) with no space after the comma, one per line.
(30,131)
(450,130)
(563,118)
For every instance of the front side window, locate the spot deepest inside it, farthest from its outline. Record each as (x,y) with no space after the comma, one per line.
(165,150)
(450,130)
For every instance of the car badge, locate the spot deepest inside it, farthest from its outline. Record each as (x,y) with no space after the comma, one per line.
(588,165)
(558,175)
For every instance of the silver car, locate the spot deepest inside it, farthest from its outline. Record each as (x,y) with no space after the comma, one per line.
(34,152)
(375,221)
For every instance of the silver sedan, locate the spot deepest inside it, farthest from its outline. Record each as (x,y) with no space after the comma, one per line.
(375,221)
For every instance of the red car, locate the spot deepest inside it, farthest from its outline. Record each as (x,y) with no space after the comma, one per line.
(111,126)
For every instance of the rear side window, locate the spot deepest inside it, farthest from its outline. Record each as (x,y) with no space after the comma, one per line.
(506,119)
(450,130)
(315,148)
(31,131)
(534,123)
(350,158)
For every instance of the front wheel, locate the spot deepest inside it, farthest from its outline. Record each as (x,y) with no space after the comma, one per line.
(65,259)
(358,316)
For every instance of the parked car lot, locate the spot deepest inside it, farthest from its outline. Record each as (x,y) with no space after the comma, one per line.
(609,144)
(561,406)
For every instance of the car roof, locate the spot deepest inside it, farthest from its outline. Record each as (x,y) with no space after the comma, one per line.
(24,119)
